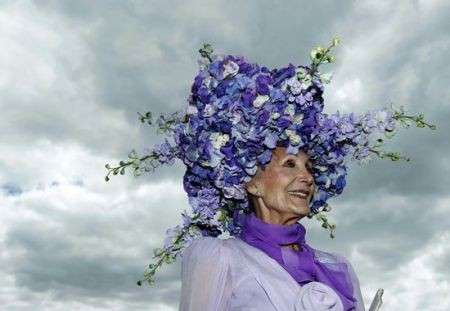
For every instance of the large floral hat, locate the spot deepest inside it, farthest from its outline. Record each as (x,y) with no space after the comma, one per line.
(237,113)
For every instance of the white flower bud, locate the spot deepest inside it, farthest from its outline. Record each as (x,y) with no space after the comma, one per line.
(294,138)
(230,69)
(290,110)
(260,100)
(275,115)
(218,140)
(298,118)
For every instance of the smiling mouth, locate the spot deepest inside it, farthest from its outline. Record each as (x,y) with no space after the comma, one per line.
(302,196)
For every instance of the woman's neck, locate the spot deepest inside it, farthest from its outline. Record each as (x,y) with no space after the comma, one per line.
(276,218)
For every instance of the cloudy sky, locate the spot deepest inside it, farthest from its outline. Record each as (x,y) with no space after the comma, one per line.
(74,74)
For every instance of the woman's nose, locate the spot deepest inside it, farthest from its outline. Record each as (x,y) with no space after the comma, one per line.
(309,180)
(305,176)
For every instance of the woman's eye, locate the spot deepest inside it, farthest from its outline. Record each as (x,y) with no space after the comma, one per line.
(290,163)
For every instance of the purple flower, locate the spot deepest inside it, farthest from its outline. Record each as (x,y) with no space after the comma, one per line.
(205,203)
(283,123)
(243,81)
(276,95)
(248,97)
(271,140)
(262,84)
(279,75)
(203,94)
(292,149)
(263,117)
(265,157)
(300,99)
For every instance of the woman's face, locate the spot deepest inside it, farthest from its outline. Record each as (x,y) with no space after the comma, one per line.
(275,191)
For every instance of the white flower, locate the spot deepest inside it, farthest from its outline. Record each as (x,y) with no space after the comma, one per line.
(230,69)
(207,81)
(300,70)
(306,83)
(290,110)
(218,140)
(275,115)
(326,77)
(321,168)
(191,110)
(293,137)
(260,100)
(209,110)
(284,86)
(292,81)
(298,118)
(381,116)
(251,170)
(295,85)
(203,63)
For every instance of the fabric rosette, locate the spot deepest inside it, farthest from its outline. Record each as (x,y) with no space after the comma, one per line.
(316,296)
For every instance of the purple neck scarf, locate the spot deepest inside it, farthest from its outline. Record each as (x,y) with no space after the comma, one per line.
(301,265)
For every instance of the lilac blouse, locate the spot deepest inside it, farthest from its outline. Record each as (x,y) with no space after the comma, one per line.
(230,275)
(301,265)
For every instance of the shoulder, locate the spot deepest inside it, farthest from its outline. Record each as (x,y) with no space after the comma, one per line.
(207,250)
(205,243)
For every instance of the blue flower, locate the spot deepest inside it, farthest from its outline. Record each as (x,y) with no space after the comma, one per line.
(271,140)
(265,157)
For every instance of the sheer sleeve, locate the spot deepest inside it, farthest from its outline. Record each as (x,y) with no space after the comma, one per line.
(205,276)
(356,287)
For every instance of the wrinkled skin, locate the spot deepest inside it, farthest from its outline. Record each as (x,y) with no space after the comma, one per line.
(268,189)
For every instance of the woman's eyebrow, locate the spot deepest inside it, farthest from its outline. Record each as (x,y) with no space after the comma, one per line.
(291,157)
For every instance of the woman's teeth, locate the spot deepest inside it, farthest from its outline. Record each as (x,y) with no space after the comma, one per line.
(299,194)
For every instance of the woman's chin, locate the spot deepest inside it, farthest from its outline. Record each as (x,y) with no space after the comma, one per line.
(301,209)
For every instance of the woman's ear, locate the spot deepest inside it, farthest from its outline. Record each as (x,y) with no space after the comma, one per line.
(252,188)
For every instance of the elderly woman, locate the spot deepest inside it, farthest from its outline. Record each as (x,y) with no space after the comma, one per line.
(260,155)
(269,266)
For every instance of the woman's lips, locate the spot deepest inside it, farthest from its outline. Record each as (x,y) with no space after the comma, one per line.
(299,196)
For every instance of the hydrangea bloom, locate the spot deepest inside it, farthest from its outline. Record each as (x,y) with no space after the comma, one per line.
(237,113)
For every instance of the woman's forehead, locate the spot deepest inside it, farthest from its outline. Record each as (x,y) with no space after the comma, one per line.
(281,152)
